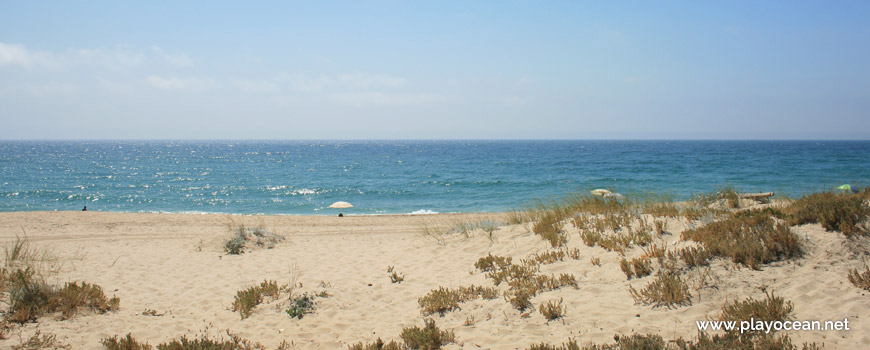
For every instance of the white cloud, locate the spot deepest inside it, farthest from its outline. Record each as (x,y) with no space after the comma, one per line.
(317,84)
(173,59)
(116,58)
(342,82)
(257,86)
(370,81)
(373,98)
(16,54)
(176,83)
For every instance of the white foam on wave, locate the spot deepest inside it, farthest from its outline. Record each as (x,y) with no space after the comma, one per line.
(423,212)
(303,191)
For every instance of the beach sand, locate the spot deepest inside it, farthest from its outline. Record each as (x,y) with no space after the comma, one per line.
(175,265)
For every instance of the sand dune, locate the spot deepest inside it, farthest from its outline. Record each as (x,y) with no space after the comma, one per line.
(175,264)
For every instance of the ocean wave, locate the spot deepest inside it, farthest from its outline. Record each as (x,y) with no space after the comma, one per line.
(303,191)
(423,212)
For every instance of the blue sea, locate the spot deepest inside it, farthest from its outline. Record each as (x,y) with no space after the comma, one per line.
(400,177)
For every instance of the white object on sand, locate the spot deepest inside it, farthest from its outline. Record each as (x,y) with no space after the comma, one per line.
(599,192)
(614,196)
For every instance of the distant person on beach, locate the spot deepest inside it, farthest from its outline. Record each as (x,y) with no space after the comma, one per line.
(85,208)
(340,215)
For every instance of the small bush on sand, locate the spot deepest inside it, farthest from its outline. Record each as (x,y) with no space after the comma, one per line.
(492,263)
(247,237)
(553,309)
(847,213)
(668,289)
(443,300)
(695,256)
(522,290)
(41,341)
(247,299)
(429,337)
(377,345)
(394,276)
(301,305)
(730,196)
(550,227)
(750,239)
(552,256)
(201,342)
(771,308)
(512,272)
(662,209)
(30,297)
(74,296)
(570,345)
(702,342)
(636,268)
(125,343)
(860,279)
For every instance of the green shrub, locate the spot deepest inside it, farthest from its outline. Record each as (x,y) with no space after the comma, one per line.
(301,305)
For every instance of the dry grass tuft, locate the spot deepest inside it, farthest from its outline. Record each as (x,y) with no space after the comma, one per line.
(570,345)
(30,297)
(862,279)
(596,261)
(549,226)
(245,238)
(636,268)
(553,309)
(429,337)
(552,256)
(247,299)
(771,308)
(443,300)
(41,341)
(751,238)
(668,289)
(492,263)
(377,345)
(202,342)
(695,256)
(847,213)
(394,276)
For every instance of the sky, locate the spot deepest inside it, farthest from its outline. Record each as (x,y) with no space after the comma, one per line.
(435,70)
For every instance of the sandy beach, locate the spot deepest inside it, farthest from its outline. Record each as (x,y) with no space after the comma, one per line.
(174,266)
